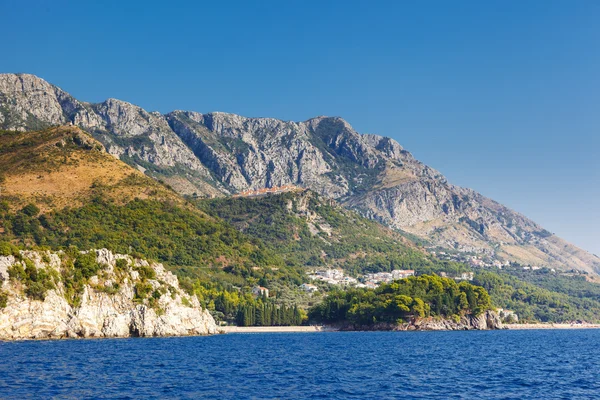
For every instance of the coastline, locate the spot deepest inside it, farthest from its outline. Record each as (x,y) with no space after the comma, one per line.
(274,329)
(550,326)
(314,328)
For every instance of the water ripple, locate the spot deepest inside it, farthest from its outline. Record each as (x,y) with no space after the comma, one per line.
(336,365)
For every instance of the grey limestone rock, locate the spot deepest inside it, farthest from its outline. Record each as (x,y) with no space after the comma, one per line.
(100,313)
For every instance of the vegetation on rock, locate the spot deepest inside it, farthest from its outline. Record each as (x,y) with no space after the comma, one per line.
(396,302)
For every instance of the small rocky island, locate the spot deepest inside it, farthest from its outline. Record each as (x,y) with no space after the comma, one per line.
(93,294)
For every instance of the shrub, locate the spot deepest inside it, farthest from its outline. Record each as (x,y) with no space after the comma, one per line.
(142,289)
(87,265)
(36,291)
(3,299)
(145,272)
(186,302)
(113,289)
(30,210)
(46,258)
(121,264)
(17,272)
(8,249)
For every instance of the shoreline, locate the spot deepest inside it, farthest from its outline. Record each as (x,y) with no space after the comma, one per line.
(274,329)
(550,326)
(312,328)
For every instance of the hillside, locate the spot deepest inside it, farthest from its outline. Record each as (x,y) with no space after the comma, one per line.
(60,188)
(307,229)
(64,166)
(217,154)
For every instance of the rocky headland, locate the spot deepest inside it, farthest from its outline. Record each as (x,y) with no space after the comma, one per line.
(44,297)
(489,320)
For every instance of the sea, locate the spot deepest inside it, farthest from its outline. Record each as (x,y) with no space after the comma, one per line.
(533,364)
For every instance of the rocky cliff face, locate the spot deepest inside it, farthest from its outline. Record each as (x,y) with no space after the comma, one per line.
(124,298)
(218,154)
(489,320)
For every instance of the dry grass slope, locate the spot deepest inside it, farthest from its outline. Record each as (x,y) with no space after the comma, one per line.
(65,166)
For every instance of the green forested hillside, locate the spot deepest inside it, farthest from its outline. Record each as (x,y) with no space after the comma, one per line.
(59,189)
(157,230)
(423,296)
(309,230)
(359,245)
(537,302)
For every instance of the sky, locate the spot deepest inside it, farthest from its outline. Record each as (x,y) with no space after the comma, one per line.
(500,96)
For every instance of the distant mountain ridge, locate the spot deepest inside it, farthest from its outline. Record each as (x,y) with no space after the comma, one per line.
(219,154)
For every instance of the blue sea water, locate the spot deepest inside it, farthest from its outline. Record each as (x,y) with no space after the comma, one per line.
(338,365)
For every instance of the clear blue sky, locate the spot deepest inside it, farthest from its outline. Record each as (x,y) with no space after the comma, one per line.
(500,96)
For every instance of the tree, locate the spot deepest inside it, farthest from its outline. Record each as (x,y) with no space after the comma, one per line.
(30,210)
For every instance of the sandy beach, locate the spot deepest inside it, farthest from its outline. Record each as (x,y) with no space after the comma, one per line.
(265,329)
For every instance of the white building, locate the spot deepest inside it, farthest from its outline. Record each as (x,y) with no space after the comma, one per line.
(331,273)
(348,280)
(402,273)
(508,315)
(309,287)
(371,285)
(465,276)
(260,291)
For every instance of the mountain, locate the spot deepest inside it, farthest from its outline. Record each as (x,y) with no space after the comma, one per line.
(219,154)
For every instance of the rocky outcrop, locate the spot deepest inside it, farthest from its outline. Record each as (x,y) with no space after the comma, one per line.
(219,154)
(125,298)
(489,320)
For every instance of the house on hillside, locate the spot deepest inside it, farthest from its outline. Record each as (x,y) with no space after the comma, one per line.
(371,285)
(260,291)
(508,316)
(465,276)
(309,287)
(349,281)
(402,273)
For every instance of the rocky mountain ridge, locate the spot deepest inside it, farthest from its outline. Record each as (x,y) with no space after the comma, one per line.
(219,154)
(113,302)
